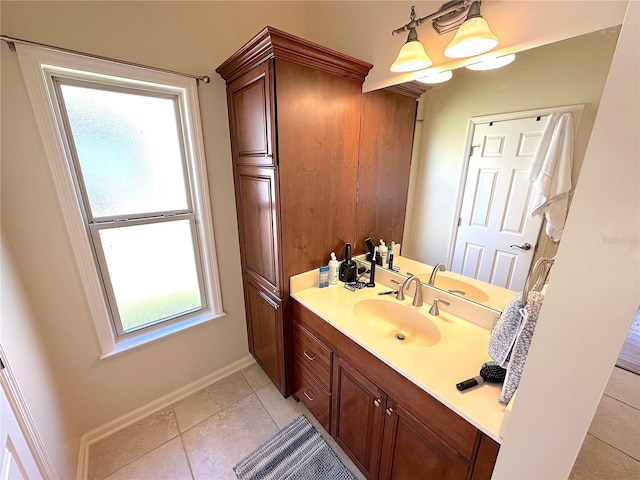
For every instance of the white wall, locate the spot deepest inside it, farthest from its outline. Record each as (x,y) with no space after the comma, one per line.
(569,72)
(28,358)
(595,290)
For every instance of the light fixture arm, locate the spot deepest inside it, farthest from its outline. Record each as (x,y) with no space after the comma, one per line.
(445,9)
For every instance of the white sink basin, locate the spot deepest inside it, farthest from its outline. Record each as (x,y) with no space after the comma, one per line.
(456,287)
(397,323)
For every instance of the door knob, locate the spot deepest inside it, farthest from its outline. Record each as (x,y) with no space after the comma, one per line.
(526,246)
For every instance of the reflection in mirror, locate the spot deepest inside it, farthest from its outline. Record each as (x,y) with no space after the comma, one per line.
(570,72)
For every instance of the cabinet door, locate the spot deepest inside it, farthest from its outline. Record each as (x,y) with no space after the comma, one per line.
(265,331)
(410,450)
(251,112)
(358,410)
(257,206)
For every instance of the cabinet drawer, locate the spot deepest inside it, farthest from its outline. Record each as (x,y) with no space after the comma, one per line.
(312,354)
(315,398)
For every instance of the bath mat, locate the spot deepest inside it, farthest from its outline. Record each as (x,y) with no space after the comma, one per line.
(297,452)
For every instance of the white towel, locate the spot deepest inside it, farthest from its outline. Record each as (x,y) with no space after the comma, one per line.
(551,173)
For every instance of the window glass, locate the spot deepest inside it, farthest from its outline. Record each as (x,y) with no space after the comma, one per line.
(152,269)
(129,150)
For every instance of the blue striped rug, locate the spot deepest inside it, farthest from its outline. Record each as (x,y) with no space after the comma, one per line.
(297,452)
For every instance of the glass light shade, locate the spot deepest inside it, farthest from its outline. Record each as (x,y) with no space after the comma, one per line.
(436,77)
(472,38)
(412,57)
(491,63)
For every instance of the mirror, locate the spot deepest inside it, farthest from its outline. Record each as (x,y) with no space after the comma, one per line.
(570,72)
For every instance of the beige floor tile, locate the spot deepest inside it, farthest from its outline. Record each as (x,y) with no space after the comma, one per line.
(123,447)
(625,386)
(217,444)
(282,410)
(599,461)
(167,462)
(617,424)
(256,376)
(210,400)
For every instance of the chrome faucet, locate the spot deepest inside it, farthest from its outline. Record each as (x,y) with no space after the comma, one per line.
(434,310)
(417,298)
(432,278)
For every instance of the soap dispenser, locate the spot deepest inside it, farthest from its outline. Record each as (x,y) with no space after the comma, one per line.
(382,254)
(334,269)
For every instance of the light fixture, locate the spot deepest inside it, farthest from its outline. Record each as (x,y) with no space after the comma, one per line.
(492,63)
(473,36)
(412,56)
(436,77)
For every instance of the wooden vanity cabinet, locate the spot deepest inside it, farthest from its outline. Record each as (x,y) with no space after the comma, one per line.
(388,426)
(294,121)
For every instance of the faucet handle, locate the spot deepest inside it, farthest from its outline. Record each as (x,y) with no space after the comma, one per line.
(400,292)
(434,310)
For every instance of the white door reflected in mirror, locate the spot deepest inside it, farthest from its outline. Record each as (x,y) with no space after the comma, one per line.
(495,222)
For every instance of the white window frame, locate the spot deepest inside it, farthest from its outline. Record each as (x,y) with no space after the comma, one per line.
(39,67)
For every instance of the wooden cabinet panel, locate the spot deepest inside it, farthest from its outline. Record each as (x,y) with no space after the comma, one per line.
(410,450)
(315,398)
(264,328)
(485,459)
(386,144)
(318,161)
(312,354)
(357,416)
(256,197)
(250,101)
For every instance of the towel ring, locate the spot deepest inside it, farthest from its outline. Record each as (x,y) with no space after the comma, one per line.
(539,271)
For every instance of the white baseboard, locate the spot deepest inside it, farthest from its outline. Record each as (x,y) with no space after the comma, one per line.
(132,417)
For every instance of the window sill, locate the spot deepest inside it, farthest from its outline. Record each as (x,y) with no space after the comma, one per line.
(144,338)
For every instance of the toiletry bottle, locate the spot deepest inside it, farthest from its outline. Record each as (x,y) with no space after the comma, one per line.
(334,266)
(323,280)
(390,254)
(382,254)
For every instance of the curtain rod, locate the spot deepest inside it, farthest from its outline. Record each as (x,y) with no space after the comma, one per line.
(11,41)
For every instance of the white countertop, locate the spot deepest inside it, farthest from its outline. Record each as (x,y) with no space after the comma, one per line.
(458,355)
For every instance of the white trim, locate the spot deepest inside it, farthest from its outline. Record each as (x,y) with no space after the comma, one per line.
(132,417)
(38,65)
(21,411)
(575,110)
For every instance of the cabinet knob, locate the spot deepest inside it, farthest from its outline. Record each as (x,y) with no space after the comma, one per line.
(377,402)
(308,396)
(308,356)
(389,411)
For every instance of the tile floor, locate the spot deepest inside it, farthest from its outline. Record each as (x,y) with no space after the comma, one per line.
(202,436)
(611,449)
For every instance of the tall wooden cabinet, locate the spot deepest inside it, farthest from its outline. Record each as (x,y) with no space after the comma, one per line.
(294,118)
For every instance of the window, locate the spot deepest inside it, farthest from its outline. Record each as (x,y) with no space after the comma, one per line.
(126,153)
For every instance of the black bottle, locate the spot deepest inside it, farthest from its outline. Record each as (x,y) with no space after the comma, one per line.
(347,272)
